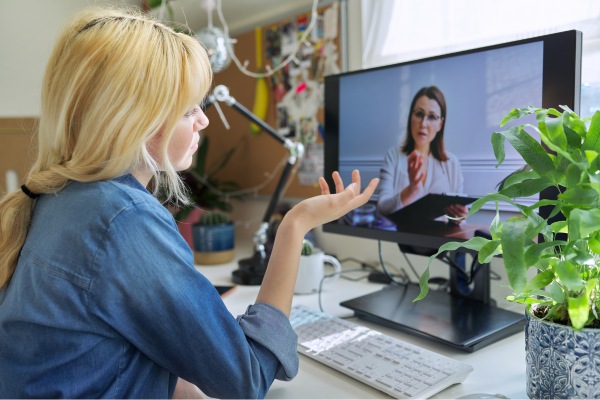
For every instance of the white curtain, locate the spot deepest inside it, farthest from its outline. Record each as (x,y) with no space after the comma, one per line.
(401,30)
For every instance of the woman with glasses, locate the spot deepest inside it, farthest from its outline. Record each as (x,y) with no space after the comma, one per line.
(421,165)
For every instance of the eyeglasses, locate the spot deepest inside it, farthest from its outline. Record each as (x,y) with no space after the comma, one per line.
(431,118)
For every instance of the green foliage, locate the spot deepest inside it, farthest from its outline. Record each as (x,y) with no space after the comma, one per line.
(307,248)
(213,218)
(569,256)
(206,191)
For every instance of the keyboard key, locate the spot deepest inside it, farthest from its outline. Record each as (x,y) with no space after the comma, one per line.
(373,366)
(358,351)
(420,377)
(435,379)
(346,354)
(400,388)
(415,389)
(352,367)
(371,374)
(448,371)
(389,382)
(361,371)
(341,360)
(411,373)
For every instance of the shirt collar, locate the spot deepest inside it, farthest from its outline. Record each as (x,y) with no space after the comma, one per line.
(130,181)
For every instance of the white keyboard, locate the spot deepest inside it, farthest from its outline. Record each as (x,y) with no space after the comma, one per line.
(397,368)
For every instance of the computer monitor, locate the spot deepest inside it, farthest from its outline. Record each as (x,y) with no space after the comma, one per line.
(440,112)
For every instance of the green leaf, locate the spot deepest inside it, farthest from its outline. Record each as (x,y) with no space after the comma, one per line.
(555,210)
(476,206)
(592,139)
(555,131)
(578,311)
(475,243)
(496,225)
(594,245)
(583,222)
(518,113)
(572,122)
(580,197)
(488,251)
(539,281)
(532,255)
(556,292)
(527,188)
(511,180)
(591,156)
(513,249)
(541,203)
(568,275)
(531,150)
(538,292)
(498,145)
(560,227)
(573,175)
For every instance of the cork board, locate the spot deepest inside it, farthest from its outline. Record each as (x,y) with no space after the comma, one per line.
(259,154)
(18,144)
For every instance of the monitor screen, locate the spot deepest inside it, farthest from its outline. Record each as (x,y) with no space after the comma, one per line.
(424,128)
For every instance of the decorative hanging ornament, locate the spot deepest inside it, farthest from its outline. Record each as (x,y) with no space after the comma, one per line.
(218,46)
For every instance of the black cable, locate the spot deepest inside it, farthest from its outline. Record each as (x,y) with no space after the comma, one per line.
(332,275)
(407,281)
(410,265)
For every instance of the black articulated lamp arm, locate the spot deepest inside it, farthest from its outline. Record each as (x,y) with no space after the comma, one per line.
(252,270)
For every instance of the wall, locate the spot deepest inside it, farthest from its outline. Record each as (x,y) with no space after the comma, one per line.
(28,30)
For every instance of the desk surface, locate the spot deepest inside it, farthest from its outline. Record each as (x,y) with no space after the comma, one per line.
(498,368)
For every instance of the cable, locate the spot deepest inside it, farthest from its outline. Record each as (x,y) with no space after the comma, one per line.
(410,265)
(386,271)
(330,276)
(290,58)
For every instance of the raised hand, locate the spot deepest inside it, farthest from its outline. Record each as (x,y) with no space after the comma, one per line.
(327,207)
(415,169)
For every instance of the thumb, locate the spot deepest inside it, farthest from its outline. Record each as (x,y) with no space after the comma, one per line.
(347,195)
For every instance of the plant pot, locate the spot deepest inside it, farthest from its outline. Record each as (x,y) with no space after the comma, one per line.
(213,244)
(561,363)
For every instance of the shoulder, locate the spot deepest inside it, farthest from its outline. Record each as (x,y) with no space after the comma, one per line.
(395,154)
(452,159)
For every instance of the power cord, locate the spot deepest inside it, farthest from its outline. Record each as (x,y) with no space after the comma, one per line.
(330,276)
(390,276)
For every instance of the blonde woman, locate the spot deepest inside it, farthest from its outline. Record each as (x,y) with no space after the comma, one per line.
(98,293)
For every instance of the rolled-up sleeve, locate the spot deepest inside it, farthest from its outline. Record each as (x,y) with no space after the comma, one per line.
(147,290)
(259,323)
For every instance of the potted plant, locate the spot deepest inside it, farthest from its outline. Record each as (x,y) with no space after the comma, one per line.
(207,192)
(213,239)
(561,331)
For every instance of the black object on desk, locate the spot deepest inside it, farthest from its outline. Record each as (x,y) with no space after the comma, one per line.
(462,323)
(428,208)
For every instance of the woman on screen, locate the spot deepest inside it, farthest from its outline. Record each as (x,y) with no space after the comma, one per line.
(421,165)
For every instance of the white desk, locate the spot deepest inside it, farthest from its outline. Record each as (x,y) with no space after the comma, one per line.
(498,368)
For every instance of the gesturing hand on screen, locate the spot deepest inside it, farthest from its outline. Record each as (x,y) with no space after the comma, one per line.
(456,211)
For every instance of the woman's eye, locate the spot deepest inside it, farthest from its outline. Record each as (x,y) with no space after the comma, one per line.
(191,112)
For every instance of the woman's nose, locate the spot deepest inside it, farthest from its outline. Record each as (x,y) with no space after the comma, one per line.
(201,121)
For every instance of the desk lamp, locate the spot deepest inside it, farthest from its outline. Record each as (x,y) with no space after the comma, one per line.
(252,270)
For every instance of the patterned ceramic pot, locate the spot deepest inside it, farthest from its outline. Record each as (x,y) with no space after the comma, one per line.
(561,363)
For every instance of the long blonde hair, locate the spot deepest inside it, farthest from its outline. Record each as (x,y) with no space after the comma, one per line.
(115,79)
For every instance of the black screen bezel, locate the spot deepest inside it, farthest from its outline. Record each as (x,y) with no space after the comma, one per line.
(561,85)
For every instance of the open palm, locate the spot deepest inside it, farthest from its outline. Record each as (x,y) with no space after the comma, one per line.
(327,207)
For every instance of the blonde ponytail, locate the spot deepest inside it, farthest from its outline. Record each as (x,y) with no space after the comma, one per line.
(114,81)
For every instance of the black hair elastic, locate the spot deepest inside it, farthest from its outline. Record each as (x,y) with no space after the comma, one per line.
(29,193)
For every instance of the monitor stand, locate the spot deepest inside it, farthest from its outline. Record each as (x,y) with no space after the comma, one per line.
(465,321)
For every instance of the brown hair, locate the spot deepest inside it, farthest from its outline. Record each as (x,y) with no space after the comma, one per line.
(437,144)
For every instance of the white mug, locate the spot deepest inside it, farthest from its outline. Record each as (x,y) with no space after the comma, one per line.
(311,271)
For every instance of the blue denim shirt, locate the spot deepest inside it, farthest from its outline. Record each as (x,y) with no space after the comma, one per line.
(105,302)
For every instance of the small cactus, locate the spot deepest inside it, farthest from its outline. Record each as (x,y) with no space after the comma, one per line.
(213,218)
(307,248)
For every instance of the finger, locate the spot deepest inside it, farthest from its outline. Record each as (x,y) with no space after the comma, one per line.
(356,179)
(344,196)
(339,184)
(324,186)
(362,198)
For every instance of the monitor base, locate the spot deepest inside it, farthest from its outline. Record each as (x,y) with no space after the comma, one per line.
(461,323)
